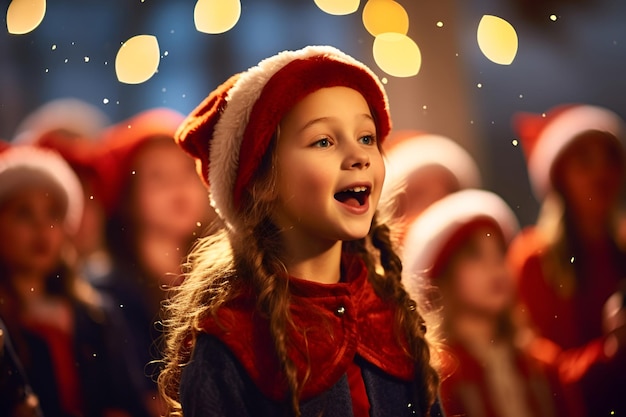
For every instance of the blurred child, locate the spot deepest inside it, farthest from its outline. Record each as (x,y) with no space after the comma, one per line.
(421,169)
(61,329)
(284,312)
(71,127)
(573,260)
(459,245)
(157,207)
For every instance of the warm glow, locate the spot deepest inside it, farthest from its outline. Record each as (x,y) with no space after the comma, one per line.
(397,54)
(138,59)
(497,39)
(338,7)
(216,16)
(24,16)
(382,16)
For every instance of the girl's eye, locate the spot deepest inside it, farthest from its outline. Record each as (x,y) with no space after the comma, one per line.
(322,143)
(368,140)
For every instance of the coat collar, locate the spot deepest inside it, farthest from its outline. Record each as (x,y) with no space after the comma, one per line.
(335,322)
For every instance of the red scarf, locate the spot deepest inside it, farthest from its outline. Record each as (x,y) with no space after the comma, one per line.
(334,323)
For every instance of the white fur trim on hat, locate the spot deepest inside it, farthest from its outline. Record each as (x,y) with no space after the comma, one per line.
(430,232)
(559,133)
(65,113)
(230,128)
(424,150)
(26,165)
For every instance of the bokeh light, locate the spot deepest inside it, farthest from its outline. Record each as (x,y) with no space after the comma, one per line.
(137,59)
(216,16)
(497,39)
(338,7)
(397,54)
(24,16)
(382,16)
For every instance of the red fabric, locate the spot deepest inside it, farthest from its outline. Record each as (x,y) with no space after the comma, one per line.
(468,383)
(324,339)
(64,364)
(530,125)
(573,324)
(360,402)
(196,131)
(285,89)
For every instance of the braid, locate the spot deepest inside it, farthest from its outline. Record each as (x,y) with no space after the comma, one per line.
(408,319)
(270,280)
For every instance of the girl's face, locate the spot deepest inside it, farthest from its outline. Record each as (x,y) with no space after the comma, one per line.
(589,173)
(478,279)
(330,169)
(168,195)
(31,230)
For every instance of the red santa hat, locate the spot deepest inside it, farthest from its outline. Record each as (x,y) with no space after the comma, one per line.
(120,144)
(22,166)
(230,131)
(545,136)
(406,152)
(435,235)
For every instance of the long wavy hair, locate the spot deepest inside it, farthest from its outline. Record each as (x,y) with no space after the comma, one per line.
(250,256)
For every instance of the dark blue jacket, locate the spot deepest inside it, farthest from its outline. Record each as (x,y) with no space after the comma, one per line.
(215,384)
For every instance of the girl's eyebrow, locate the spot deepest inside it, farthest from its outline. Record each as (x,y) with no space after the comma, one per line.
(330,118)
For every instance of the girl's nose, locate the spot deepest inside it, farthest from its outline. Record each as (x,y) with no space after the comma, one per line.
(357,158)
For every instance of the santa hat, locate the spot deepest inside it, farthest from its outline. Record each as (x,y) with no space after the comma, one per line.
(229,133)
(23,166)
(69,114)
(120,144)
(408,151)
(442,227)
(544,137)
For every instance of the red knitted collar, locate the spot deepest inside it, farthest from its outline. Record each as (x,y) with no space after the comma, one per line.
(335,322)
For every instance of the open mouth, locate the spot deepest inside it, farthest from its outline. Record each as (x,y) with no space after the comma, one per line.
(353,197)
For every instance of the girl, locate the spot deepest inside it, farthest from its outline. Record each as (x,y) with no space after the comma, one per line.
(156,207)
(296,306)
(61,329)
(460,241)
(573,260)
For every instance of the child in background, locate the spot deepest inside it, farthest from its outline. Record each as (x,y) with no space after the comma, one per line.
(296,306)
(61,329)
(71,127)
(157,206)
(574,259)
(421,169)
(459,245)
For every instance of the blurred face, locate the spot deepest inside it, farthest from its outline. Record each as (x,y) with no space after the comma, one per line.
(589,173)
(168,194)
(31,230)
(478,279)
(330,169)
(425,186)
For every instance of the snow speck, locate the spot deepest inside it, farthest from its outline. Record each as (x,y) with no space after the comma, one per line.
(105,100)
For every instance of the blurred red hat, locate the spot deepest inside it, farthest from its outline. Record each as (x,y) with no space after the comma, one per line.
(121,142)
(407,151)
(545,136)
(442,227)
(4,145)
(25,165)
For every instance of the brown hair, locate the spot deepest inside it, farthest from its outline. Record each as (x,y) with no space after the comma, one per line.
(251,257)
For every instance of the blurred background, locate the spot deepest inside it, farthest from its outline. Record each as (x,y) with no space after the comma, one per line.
(569,51)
